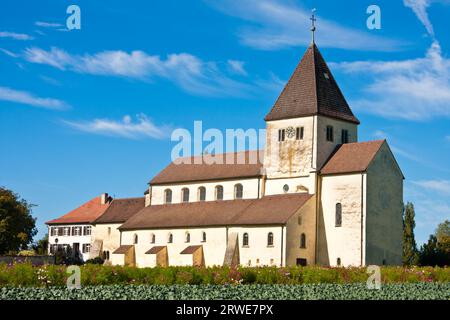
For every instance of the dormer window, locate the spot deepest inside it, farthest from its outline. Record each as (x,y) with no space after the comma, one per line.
(330,136)
(326,76)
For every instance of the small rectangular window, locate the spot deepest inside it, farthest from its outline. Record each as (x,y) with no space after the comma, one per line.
(330,133)
(281,135)
(344,136)
(86,248)
(87,230)
(299,133)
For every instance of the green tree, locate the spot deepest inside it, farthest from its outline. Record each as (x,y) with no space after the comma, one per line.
(41,246)
(410,253)
(442,232)
(17,226)
(436,252)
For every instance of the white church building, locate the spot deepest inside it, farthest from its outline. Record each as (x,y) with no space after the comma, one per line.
(315,196)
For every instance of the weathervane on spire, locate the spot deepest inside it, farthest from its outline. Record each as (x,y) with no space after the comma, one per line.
(313,25)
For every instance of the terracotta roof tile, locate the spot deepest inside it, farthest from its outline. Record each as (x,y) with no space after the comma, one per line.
(190,249)
(155,249)
(311,90)
(276,209)
(352,157)
(86,213)
(120,210)
(180,171)
(123,249)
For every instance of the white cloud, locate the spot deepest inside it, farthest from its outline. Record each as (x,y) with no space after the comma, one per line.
(185,70)
(9,53)
(15,36)
(125,128)
(415,89)
(44,24)
(275,24)
(442,186)
(420,9)
(24,97)
(237,67)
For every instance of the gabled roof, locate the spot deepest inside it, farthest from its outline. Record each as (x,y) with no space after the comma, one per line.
(199,169)
(311,90)
(86,213)
(120,210)
(269,210)
(352,157)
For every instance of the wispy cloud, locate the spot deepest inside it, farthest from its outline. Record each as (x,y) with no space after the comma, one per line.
(15,36)
(44,24)
(415,89)
(185,70)
(142,127)
(9,53)
(237,67)
(442,186)
(420,9)
(24,97)
(275,24)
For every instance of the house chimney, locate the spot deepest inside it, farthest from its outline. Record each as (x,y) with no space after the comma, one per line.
(104,198)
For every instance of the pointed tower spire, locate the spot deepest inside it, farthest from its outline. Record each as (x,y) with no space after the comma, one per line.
(313,25)
(311,90)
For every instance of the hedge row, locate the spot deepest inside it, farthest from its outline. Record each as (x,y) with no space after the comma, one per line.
(358,291)
(51,275)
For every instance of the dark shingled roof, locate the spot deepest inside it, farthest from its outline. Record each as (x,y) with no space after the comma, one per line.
(120,210)
(155,249)
(190,249)
(352,157)
(123,249)
(269,210)
(187,169)
(308,92)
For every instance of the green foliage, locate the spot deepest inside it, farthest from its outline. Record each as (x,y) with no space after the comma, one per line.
(358,291)
(96,260)
(434,253)
(443,231)
(93,275)
(17,226)
(410,254)
(40,247)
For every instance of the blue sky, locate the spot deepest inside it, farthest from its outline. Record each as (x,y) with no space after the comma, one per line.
(89,111)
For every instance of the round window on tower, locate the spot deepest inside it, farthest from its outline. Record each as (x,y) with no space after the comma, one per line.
(285,188)
(290,132)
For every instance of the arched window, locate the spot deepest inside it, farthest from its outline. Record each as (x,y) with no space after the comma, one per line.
(152,238)
(167,196)
(185,195)
(201,194)
(170,238)
(245,240)
(219,192)
(203,236)
(187,237)
(270,239)
(338,214)
(238,191)
(135,239)
(303,241)
(338,262)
